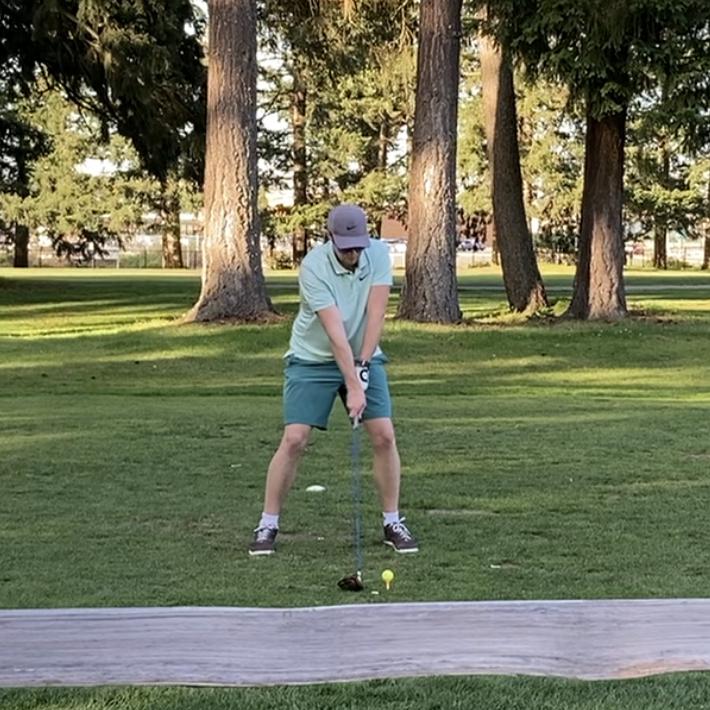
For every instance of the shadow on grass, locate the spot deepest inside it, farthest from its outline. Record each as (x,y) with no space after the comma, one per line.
(37,297)
(636,358)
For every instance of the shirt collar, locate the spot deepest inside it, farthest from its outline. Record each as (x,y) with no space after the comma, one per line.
(362,267)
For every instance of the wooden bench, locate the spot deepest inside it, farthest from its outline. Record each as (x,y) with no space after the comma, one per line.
(225,646)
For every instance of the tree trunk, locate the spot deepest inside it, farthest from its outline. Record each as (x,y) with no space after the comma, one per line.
(383,143)
(429,292)
(523,282)
(599,279)
(300,170)
(492,241)
(660,230)
(22,246)
(233,285)
(706,250)
(660,252)
(170,223)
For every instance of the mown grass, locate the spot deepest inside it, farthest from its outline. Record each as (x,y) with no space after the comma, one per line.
(544,459)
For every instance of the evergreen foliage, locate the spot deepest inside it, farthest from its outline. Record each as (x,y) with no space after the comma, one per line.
(137,69)
(608,53)
(358,69)
(78,211)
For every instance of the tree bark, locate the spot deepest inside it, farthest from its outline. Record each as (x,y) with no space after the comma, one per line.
(429,292)
(300,169)
(523,283)
(233,285)
(492,241)
(170,223)
(21,259)
(660,252)
(22,246)
(599,280)
(706,250)
(660,230)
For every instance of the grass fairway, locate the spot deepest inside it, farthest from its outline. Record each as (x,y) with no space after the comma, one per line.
(542,460)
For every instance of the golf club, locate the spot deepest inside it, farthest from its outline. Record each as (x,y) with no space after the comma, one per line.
(353,582)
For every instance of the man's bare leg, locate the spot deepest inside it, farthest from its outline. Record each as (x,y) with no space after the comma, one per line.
(279,479)
(387,478)
(284,465)
(386,461)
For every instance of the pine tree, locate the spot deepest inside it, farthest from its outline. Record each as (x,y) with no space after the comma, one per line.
(350,71)
(521,276)
(665,188)
(77,210)
(233,285)
(429,292)
(136,66)
(605,53)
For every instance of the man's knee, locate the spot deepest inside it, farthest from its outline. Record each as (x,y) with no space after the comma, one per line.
(295,439)
(381,434)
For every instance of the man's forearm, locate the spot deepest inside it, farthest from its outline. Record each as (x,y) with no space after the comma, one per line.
(339,345)
(345,360)
(376,309)
(373,333)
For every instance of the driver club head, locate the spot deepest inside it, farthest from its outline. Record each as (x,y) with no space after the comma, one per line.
(352,583)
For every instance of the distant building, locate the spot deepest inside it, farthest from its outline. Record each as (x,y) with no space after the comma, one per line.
(393,229)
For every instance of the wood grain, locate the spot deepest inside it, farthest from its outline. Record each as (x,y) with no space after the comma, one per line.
(254,646)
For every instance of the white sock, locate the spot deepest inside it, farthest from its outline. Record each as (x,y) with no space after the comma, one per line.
(390,518)
(269,521)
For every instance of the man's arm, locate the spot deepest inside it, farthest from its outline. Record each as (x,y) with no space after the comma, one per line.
(376,309)
(332,323)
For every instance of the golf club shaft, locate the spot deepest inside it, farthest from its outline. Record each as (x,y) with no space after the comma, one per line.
(357,496)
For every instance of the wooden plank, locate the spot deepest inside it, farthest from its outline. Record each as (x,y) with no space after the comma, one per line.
(253,646)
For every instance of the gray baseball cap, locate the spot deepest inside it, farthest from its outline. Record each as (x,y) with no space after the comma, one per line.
(347,225)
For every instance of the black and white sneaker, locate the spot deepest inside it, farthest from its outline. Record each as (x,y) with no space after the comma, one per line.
(264,541)
(398,537)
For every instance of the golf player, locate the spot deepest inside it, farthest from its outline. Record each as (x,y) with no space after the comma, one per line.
(344,287)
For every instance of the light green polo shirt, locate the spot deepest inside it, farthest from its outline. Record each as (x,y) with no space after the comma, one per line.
(323,281)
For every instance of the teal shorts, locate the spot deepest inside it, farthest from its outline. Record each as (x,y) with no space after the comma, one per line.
(310,388)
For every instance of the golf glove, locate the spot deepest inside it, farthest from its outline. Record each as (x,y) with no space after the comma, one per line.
(362,370)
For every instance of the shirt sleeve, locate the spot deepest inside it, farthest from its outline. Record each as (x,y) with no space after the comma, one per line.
(381,266)
(315,292)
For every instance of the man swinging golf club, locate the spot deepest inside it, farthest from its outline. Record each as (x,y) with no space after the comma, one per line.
(344,287)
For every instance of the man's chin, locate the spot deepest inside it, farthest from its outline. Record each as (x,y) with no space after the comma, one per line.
(349,262)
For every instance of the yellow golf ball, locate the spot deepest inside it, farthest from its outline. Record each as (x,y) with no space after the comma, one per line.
(387,577)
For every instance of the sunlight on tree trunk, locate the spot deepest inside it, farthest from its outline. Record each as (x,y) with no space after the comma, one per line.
(599,280)
(521,276)
(233,285)
(429,292)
